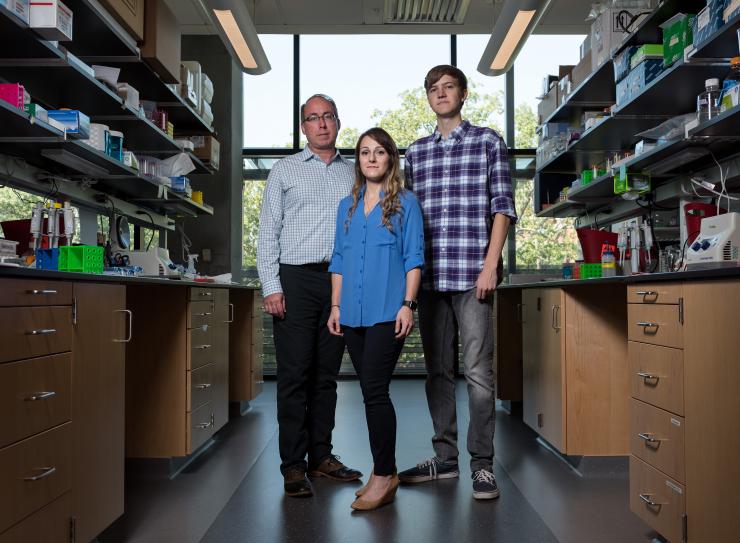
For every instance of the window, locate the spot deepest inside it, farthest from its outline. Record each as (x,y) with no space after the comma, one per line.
(268,98)
(372,83)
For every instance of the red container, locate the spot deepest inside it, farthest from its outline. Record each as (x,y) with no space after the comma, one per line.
(13,93)
(694,212)
(592,241)
(20,231)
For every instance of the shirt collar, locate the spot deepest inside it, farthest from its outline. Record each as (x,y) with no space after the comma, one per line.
(362,192)
(456,134)
(306,154)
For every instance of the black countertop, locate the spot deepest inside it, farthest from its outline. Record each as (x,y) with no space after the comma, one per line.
(33,273)
(694,275)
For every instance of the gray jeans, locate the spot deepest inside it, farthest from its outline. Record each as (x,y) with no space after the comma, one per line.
(440,314)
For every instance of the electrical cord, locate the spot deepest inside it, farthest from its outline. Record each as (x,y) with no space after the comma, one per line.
(151,220)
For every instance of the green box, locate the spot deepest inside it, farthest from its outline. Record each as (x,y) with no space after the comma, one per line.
(81,259)
(590,271)
(649,50)
(626,182)
(677,35)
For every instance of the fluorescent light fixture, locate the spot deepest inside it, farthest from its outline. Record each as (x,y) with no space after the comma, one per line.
(513,25)
(234,25)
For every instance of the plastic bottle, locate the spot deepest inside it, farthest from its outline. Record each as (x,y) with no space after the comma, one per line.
(608,264)
(707,103)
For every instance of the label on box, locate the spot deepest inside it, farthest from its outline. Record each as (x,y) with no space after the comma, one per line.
(704,18)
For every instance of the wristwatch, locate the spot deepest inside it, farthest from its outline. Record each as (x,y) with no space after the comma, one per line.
(411,304)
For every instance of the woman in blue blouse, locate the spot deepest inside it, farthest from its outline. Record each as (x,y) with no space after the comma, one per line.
(376,271)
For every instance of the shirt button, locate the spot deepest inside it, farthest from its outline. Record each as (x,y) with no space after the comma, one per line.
(444,229)
(444,210)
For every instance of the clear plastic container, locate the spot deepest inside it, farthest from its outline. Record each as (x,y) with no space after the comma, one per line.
(608,264)
(707,103)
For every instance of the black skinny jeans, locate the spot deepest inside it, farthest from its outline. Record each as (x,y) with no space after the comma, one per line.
(374,351)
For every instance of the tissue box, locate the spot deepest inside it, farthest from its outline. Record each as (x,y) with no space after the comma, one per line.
(637,80)
(14,94)
(677,36)
(75,122)
(622,64)
(708,21)
(51,20)
(37,112)
(19,8)
(650,51)
(207,148)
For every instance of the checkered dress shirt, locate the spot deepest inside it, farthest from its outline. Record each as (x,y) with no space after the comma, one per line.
(299,211)
(461,183)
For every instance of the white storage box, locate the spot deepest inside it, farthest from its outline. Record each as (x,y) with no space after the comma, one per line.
(19,8)
(190,82)
(51,20)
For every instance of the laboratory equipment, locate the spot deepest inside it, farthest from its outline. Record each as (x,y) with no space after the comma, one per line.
(718,243)
(155,262)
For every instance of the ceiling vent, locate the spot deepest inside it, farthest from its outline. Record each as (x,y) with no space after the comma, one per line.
(426,11)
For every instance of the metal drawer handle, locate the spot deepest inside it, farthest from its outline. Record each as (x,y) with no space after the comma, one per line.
(42,292)
(649,377)
(231,314)
(130,326)
(202,347)
(46,472)
(649,439)
(556,317)
(649,328)
(260,382)
(202,386)
(646,293)
(203,314)
(647,499)
(205,294)
(203,425)
(42,332)
(39,396)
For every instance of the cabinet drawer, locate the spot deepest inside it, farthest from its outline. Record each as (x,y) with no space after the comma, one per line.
(201,294)
(200,426)
(656,375)
(657,499)
(24,292)
(48,525)
(655,324)
(200,347)
(258,331)
(200,314)
(657,437)
(33,473)
(654,293)
(200,386)
(222,311)
(34,396)
(29,332)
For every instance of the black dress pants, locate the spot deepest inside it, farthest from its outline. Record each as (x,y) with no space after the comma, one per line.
(308,360)
(374,351)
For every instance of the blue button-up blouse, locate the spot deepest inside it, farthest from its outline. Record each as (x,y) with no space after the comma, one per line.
(373,261)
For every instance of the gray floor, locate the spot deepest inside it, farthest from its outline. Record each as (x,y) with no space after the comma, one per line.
(234,492)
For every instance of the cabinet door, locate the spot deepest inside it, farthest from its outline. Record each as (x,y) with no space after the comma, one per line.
(508,345)
(98,378)
(240,346)
(531,302)
(221,359)
(552,378)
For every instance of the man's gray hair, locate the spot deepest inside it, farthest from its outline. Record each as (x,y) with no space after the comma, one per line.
(323,97)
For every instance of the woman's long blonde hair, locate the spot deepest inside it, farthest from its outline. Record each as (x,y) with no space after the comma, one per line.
(392,185)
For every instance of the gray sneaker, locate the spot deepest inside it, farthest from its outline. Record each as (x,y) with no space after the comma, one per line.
(429,470)
(484,485)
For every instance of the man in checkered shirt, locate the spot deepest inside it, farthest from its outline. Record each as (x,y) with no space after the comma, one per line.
(460,174)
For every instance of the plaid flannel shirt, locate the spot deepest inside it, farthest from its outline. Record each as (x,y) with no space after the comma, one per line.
(461,183)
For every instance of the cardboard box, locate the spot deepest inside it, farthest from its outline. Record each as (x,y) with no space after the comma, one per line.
(677,36)
(76,123)
(548,104)
(14,94)
(190,82)
(637,80)
(129,14)
(582,70)
(19,8)
(730,98)
(161,46)
(564,89)
(51,20)
(37,112)
(607,33)
(129,95)
(650,51)
(622,62)
(207,149)
(708,21)
(731,11)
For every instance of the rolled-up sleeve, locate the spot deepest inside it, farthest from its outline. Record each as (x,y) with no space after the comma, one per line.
(268,239)
(413,234)
(499,181)
(336,258)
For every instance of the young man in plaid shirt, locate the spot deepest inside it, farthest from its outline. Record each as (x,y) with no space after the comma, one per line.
(460,174)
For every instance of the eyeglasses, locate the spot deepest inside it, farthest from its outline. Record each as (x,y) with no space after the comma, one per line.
(328,118)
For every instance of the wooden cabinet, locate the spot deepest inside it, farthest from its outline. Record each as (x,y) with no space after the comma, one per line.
(177,371)
(507,350)
(245,346)
(575,385)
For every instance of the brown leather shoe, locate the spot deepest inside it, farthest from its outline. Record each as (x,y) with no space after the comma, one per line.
(365,505)
(296,484)
(332,468)
(364,488)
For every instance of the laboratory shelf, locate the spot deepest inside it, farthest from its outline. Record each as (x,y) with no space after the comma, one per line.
(615,133)
(673,92)
(140,134)
(17,125)
(722,44)
(725,125)
(600,189)
(97,33)
(596,92)
(563,209)
(18,41)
